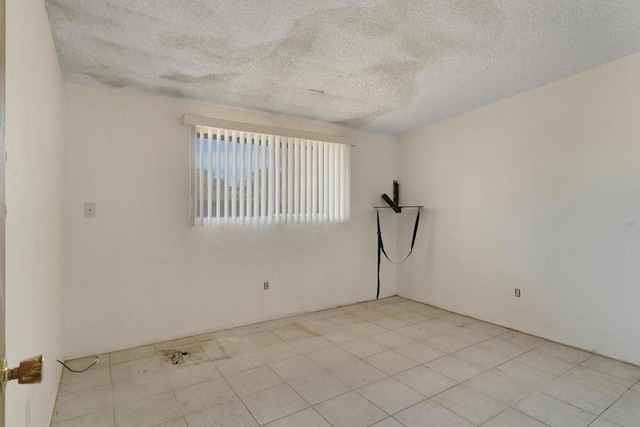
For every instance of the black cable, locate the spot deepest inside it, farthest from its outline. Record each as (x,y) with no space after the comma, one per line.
(95,362)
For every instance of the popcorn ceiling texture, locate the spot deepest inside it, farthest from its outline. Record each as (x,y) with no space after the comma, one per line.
(387,66)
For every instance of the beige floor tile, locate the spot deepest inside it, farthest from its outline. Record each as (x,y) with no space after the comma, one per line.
(500,388)
(238,363)
(598,381)
(412,317)
(544,362)
(293,332)
(601,422)
(350,410)
(126,371)
(319,387)
(365,329)
(230,345)
(455,368)
(261,339)
(213,350)
(392,309)
(370,315)
(429,413)
(204,395)
(563,352)
(419,352)
(523,374)
(318,355)
(466,335)
(331,356)
(306,418)
(614,368)
(132,354)
(554,412)
(187,375)
(340,337)
(99,419)
(363,347)
(445,343)
(318,326)
(579,396)
(431,311)
(458,319)
(241,331)
(487,329)
(512,418)
(298,366)
(502,348)
(178,422)
(480,357)
(522,340)
(230,414)
(416,332)
(391,322)
(140,387)
(307,345)
(391,339)
(626,411)
(73,405)
(278,323)
(425,381)
(276,352)
(438,325)
(391,395)
(470,404)
(390,362)
(388,422)
(211,336)
(274,403)
(253,380)
(357,374)
(94,377)
(353,308)
(148,412)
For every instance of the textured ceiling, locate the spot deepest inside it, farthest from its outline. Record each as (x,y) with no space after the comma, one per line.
(387,66)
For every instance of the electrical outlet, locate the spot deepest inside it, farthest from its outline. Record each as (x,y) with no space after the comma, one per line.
(517,293)
(266,286)
(89,210)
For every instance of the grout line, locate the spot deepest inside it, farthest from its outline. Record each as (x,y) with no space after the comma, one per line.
(342,327)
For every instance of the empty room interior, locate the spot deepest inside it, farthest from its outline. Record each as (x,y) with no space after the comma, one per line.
(329,213)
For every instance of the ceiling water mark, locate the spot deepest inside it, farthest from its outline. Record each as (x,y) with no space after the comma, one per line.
(366,58)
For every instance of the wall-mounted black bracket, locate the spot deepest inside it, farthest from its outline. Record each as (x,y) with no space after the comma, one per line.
(394,204)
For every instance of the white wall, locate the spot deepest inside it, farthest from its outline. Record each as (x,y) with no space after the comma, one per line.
(35,204)
(541,192)
(139,272)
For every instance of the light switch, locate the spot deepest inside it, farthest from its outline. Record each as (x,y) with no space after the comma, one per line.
(89,210)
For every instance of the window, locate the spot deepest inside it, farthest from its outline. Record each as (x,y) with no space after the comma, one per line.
(249,178)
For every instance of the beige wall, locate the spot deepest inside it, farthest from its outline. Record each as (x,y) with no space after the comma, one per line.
(540,192)
(138,272)
(35,203)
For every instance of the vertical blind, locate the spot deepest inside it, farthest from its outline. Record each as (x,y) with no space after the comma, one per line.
(245,178)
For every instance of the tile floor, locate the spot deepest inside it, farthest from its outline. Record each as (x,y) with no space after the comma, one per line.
(391,362)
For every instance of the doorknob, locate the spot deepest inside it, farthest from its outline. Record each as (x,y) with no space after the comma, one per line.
(28,372)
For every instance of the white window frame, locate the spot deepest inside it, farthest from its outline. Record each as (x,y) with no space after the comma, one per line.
(302,177)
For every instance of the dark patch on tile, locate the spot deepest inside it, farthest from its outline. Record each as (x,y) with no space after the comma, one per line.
(177,357)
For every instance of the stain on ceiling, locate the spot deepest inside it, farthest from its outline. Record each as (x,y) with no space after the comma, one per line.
(388,66)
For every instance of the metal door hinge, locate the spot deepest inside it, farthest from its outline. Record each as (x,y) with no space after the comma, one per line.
(28,372)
